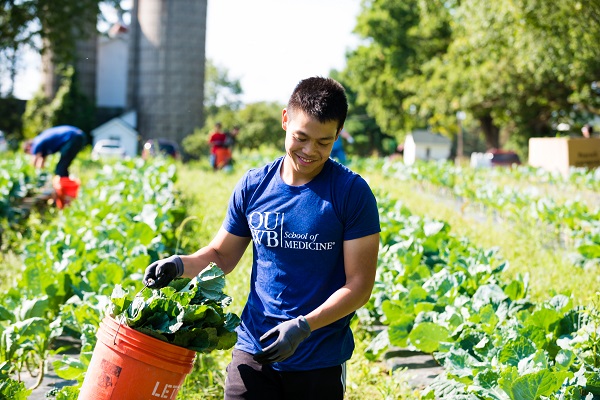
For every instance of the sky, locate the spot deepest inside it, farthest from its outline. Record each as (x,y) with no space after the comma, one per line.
(269,45)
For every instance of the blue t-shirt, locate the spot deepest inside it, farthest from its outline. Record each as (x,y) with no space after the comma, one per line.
(338,145)
(297,238)
(51,140)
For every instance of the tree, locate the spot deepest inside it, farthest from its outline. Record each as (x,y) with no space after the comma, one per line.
(220,90)
(260,124)
(45,25)
(69,106)
(516,68)
(399,38)
(362,126)
(221,102)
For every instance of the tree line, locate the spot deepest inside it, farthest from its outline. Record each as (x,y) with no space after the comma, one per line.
(516,69)
(512,69)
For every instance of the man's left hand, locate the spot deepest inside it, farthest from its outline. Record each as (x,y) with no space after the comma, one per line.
(289,335)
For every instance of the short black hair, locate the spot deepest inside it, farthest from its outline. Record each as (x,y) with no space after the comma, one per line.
(324,99)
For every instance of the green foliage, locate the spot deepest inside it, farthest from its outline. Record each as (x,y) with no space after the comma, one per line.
(195,146)
(18,180)
(35,118)
(89,247)
(49,22)
(10,388)
(220,90)
(517,68)
(442,295)
(566,217)
(401,36)
(11,110)
(260,124)
(69,107)
(362,126)
(187,313)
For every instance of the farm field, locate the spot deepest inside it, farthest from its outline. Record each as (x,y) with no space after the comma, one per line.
(545,225)
(459,274)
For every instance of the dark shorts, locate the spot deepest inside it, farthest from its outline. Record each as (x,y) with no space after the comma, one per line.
(249,380)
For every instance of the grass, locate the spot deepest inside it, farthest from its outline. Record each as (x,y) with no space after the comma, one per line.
(11,264)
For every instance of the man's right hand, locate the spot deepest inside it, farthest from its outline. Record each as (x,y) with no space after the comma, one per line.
(160,273)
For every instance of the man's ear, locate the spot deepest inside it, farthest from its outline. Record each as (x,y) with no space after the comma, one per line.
(284,119)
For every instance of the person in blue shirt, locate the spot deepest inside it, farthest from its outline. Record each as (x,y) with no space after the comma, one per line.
(314,229)
(337,152)
(66,139)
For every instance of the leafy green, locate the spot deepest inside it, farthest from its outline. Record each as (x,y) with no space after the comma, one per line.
(187,313)
(10,388)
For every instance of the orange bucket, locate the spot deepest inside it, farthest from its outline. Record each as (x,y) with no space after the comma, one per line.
(223,156)
(129,365)
(66,190)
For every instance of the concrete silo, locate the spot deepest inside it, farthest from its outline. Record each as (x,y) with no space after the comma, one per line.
(166,67)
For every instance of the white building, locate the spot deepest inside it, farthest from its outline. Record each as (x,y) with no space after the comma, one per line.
(111,70)
(121,129)
(426,145)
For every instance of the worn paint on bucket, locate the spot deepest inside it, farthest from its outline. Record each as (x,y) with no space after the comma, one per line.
(129,365)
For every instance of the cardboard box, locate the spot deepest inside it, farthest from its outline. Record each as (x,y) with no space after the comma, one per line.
(559,154)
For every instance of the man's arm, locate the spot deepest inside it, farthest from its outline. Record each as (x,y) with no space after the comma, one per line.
(225,250)
(38,160)
(346,135)
(360,260)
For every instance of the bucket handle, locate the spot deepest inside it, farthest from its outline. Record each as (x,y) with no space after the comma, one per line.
(121,318)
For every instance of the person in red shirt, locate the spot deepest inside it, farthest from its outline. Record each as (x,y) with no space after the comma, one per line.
(218,147)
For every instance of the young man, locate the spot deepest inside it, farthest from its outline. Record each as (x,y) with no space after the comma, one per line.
(66,139)
(314,228)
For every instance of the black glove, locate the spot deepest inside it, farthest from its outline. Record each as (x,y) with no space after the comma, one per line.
(289,335)
(161,272)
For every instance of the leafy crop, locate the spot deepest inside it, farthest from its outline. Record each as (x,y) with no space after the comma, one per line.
(442,295)
(523,194)
(18,180)
(187,313)
(123,219)
(10,388)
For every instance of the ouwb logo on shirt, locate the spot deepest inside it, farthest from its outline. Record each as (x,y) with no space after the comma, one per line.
(268,230)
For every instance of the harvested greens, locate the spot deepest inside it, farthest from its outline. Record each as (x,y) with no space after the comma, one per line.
(187,313)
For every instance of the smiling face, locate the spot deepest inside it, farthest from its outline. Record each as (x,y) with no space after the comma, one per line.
(308,144)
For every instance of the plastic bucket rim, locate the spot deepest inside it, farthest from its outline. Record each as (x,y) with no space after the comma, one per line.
(143,348)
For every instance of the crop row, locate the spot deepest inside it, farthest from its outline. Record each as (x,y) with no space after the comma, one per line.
(18,180)
(443,295)
(570,221)
(123,219)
